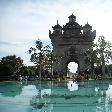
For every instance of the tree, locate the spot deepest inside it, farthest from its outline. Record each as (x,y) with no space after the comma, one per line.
(24,71)
(43,57)
(53,58)
(9,65)
(91,59)
(104,50)
(32,70)
(39,55)
(6,71)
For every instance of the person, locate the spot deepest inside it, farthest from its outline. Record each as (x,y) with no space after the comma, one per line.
(20,78)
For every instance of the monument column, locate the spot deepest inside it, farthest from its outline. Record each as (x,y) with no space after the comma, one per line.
(60,66)
(81,66)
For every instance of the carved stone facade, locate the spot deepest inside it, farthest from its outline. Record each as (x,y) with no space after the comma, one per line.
(71,41)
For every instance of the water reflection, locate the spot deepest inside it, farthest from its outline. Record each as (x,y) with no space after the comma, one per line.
(57,97)
(108,102)
(109,92)
(10,88)
(19,102)
(72,86)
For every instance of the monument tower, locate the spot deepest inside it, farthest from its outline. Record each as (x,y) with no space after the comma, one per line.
(71,41)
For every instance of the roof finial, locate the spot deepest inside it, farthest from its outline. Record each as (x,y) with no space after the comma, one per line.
(57,21)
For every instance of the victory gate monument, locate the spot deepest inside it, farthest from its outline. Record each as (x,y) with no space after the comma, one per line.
(71,41)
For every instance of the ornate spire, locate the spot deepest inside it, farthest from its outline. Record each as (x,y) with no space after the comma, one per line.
(57,26)
(72,16)
(57,21)
(87,26)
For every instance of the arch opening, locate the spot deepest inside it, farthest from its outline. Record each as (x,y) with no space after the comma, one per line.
(72,68)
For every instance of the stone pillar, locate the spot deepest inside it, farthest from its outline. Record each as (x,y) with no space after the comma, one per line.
(60,67)
(81,65)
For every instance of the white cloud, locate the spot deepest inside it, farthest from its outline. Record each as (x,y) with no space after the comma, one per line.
(18,49)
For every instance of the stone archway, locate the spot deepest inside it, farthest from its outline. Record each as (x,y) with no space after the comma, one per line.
(72,68)
(71,41)
(71,56)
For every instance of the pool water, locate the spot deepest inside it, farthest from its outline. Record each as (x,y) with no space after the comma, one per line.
(65,96)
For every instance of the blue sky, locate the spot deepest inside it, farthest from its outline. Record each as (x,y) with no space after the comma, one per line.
(24,21)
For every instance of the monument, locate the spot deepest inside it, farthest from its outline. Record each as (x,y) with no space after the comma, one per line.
(71,41)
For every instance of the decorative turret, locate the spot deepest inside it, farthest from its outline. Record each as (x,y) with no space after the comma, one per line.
(57,29)
(87,31)
(87,28)
(72,18)
(72,28)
